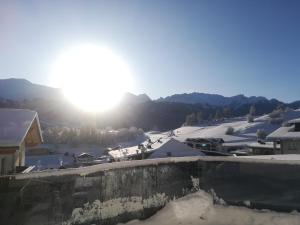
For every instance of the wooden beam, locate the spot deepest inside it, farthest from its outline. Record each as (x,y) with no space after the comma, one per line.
(8,150)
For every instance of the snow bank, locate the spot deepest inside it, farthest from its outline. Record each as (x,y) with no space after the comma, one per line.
(199,209)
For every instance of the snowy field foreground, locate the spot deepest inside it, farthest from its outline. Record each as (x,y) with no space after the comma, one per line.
(198,209)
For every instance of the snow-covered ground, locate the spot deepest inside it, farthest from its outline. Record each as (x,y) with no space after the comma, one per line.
(199,209)
(244,132)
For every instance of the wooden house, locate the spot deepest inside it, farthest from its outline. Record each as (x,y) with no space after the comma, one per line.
(19,128)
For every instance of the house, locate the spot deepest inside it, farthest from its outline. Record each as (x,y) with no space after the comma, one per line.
(132,153)
(141,151)
(174,148)
(19,128)
(287,137)
(209,144)
(263,148)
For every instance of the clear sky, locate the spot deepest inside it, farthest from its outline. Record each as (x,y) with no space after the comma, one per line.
(226,47)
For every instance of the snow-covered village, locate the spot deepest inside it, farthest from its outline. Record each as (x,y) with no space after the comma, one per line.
(150,112)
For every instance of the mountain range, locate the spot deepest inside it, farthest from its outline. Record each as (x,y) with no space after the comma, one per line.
(213,99)
(20,89)
(134,110)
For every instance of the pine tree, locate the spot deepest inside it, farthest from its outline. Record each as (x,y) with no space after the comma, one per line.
(200,116)
(252,110)
(218,115)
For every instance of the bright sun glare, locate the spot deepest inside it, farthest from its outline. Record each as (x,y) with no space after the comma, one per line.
(92,78)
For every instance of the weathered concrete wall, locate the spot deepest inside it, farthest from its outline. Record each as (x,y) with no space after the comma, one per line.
(105,193)
(266,185)
(118,192)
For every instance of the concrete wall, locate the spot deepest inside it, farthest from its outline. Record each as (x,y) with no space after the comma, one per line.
(118,192)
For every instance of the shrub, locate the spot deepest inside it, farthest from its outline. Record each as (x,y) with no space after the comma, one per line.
(229,131)
(261,134)
(250,118)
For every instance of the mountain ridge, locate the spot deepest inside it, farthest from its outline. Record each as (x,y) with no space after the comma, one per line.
(214,99)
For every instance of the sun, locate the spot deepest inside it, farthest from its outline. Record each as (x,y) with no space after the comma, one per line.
(93,78)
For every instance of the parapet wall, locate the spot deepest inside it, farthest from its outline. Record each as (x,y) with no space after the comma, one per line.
(118,192)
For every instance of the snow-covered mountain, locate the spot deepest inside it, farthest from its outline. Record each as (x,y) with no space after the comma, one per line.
(213,99)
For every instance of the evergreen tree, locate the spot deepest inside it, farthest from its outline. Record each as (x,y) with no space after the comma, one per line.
(200,116)
(218,115)
(252,110)
(227,112)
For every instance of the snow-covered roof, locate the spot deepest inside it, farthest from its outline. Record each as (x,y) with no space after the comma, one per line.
(85,155)
(174,148)
(163,146)
(133,151)
(294,121)
(267,145)
(284,133)
(201,140)
(15,124)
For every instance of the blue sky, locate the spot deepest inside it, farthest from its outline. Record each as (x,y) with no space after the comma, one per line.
(226,47)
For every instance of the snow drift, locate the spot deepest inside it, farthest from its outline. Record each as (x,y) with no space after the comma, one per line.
(199,209)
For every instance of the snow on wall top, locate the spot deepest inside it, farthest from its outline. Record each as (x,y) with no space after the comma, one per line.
(14,125)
